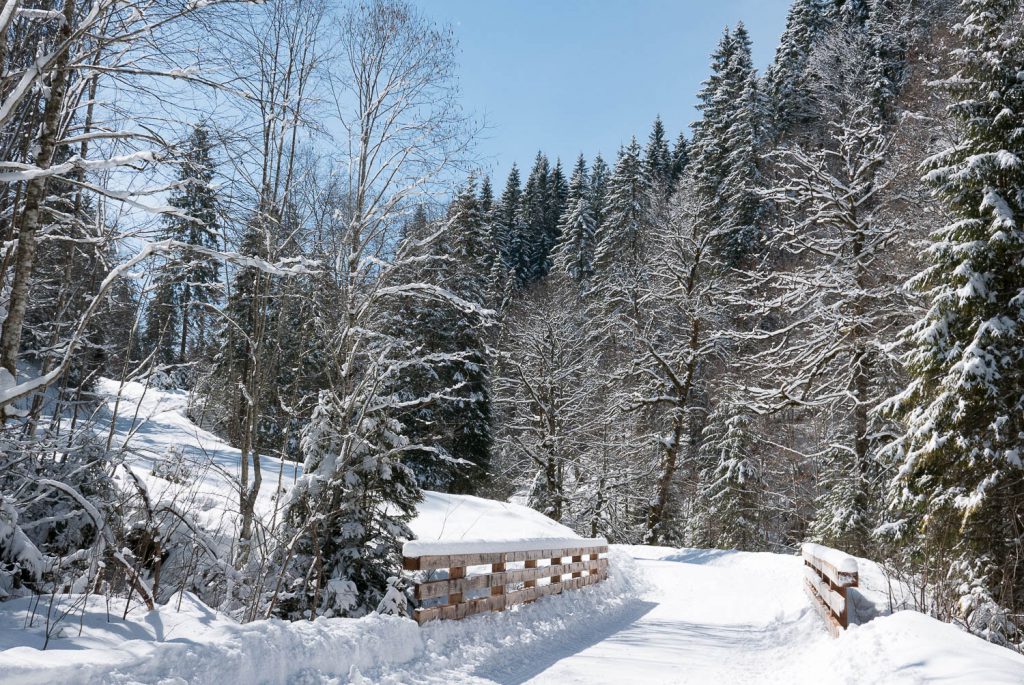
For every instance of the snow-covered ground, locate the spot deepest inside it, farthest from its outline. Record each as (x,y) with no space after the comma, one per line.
(663,616)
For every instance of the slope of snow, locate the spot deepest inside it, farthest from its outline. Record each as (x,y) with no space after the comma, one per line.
(154,426)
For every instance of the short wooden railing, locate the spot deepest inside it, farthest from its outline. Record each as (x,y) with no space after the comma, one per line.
(503,575)
(829,574)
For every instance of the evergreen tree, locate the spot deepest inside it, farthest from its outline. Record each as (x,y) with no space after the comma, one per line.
(726,142)
(350,509)
(791,100)
(658,160)
(680,158)
(534,217)
(190,280)
(729,499)
(508,229)
(962,450)
(574,255)
(599,176)
(450,437)
(626,207)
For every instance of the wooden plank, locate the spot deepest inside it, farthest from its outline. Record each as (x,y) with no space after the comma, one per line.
(577,559)
(432,563)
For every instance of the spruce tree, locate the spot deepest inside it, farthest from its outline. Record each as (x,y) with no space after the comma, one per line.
(190,280)
(680,158)
(790,96)
(658,159)
(349,513)
(574,254)
(962,450)
(599,176)
(626,208)
(534,217)
(730,498)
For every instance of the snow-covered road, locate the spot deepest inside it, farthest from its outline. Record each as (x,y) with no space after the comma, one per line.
(723,617)
(709,617)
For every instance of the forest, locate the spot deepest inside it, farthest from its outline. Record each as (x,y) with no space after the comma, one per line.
(798,318)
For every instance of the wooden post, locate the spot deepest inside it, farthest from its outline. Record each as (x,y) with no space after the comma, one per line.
(530,563)
(455,573)
(576,559)
(843,590)
(556,561)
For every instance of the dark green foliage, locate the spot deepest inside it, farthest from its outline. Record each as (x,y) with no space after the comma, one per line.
(189,281)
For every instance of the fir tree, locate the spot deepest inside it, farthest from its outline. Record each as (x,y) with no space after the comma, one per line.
(964,408)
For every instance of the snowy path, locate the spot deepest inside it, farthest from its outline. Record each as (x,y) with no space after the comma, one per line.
(710,617)
(724,618)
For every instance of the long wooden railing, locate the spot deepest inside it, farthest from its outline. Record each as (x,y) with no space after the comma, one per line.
(501,576)
(829,574)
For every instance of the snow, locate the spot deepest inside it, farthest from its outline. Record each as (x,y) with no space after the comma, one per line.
(663,615)
(841,561)
(462,524)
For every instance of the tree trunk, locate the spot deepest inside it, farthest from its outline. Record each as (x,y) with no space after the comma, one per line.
(24,259)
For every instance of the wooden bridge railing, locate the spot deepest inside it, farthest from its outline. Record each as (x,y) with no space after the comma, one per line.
(496,576)
(829,574)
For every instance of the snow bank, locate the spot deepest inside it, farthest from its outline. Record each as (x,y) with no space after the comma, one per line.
(195,645)
(198,646)
(909,647)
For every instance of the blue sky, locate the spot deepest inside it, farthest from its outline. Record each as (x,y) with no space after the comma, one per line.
(571,76)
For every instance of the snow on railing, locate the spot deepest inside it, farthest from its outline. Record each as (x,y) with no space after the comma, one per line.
(829,574)
(453,580)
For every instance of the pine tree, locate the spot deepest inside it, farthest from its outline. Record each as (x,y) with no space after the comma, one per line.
(964,408)
(190,280)
(574,254)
